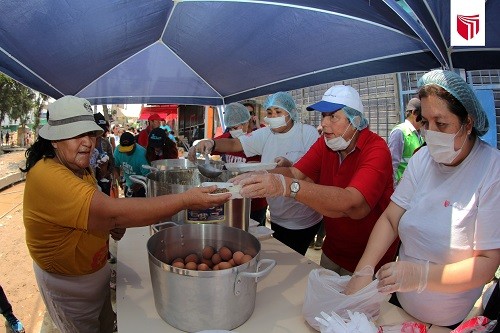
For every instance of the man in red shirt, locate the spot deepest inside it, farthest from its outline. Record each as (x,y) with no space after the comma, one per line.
(154,121)
(346,176)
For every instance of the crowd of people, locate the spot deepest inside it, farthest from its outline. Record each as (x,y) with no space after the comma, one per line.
(417,212)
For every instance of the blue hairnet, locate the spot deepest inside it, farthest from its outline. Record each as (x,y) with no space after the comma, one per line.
(282,100)
(356,118)
(456,86)
(235,114)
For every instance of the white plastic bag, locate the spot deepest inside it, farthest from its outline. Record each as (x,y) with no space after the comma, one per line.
(357,323)
(324,293)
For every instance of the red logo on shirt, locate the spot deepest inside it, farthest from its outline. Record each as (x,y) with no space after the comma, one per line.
(446,203)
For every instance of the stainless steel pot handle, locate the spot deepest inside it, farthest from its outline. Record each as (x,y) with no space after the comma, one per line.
(256,275)
(149,167)
(140,180)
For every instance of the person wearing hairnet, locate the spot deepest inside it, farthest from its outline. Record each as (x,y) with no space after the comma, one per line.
(445,211)
(236,119)
(346,176)
(283,141)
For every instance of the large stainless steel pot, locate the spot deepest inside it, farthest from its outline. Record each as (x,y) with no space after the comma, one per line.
(202,300)
(234,213)
(169,164)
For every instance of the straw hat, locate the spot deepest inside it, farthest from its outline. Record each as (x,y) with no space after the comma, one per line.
(68,117)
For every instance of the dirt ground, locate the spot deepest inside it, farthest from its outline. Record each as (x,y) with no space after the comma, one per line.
(16,270)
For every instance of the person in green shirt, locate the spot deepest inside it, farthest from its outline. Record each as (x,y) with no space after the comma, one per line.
(405,138)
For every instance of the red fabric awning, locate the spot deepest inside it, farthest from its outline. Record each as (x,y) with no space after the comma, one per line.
(165,111)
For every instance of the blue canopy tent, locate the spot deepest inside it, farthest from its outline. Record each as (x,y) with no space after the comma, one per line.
(213,52)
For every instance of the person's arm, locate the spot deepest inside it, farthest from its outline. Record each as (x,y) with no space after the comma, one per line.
(382,236)
(331,201)
(396,146)
(223,145)
(108,213)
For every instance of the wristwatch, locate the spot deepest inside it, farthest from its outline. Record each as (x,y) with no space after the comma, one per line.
(294,188)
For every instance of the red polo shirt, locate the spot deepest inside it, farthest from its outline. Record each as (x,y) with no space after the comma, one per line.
(367,168)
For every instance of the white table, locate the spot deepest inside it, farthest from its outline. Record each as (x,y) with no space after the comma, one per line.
(279,297)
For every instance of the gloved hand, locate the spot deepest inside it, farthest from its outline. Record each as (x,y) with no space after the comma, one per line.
(283,162)
(403,276)
(237,180)
(359,280)
(267,185)
(204,146)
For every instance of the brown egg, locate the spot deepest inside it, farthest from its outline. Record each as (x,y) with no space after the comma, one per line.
(203,267)
(207,262)
(231,261)
(237,257)
(208,252)
(178,260)
(193,257)
(225,265)
(178,264)
(216,259)
(216,267)
(246,258)
(225,253)
(191,265)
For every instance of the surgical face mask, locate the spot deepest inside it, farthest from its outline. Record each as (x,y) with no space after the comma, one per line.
(442,146)
(275,122)
(339,143)
(236,133)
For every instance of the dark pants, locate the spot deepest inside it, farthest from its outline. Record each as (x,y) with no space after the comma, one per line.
(105,187)
(5,306)
(259,215)
(492,310)
(297,240)
(129,193)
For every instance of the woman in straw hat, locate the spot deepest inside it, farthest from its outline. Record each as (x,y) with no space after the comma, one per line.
(68,221)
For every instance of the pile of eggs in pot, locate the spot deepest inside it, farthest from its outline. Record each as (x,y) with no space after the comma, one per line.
(212,260)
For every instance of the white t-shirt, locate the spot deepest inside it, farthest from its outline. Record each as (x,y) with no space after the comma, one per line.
(450,211)
(285,212)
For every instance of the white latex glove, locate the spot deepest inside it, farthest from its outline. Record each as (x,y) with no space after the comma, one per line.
(237,180)
(267,185)
(204,146)
(283,162)
(403,276)
(359,280)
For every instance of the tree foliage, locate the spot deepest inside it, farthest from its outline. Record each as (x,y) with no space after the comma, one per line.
(18,102)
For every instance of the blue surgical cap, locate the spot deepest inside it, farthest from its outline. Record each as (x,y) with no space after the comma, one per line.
(282,100)
(235,114)
(456,86)
(355,117)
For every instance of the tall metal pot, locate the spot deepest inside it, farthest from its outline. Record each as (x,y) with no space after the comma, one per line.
(202,300)
(234,213)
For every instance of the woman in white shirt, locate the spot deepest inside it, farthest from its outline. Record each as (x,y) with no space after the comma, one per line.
(284,141)
(445,211)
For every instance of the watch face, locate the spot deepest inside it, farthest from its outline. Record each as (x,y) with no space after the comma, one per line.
(295,187)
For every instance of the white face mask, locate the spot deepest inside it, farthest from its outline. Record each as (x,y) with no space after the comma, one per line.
(339,143)
(275,122)
(237,133)
(442,145)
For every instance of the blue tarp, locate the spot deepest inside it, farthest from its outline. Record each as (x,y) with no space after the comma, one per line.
(216,52)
